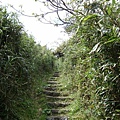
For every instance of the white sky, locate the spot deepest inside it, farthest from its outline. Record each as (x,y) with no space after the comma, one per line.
(45,34)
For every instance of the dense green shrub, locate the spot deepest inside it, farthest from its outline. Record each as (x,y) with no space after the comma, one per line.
(23,65)
(91,62)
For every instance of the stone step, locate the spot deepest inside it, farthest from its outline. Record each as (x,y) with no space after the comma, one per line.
(59,111)
(52,82)
(53,79)
(58,104)
(54,93)
(57,118)
(50,88)
(54,85)
(76,118)
(56,74)
(59,98)
(51,93)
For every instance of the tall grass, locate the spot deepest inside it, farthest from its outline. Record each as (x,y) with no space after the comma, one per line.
(91,63)
(23,67)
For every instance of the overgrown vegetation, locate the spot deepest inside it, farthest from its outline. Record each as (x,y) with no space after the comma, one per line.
(24,68)
(91,63)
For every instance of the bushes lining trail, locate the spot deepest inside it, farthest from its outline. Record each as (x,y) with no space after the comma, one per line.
(24,66)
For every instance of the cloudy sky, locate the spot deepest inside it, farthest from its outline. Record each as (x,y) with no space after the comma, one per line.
(45,34)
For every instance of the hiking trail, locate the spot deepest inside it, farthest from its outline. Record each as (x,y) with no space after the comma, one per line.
(57,100)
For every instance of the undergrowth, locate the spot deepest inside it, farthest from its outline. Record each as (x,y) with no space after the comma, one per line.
(24,68)
(90,66)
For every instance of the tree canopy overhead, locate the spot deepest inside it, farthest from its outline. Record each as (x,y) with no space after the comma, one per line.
(62,12)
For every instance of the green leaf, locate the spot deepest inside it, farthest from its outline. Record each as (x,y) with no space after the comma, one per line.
(113,39)
(96,48)
(1,31)
(113,2)
(89,17)
(109,10)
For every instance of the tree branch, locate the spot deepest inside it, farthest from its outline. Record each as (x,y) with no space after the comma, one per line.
(57,6)
(23,13)
(64,22)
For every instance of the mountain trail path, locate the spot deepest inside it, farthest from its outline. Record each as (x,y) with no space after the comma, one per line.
(57,100)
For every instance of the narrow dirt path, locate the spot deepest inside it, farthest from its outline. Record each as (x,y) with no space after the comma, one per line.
(56,100)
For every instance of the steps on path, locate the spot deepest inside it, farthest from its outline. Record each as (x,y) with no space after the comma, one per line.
(50,88)
(56,74)
(59,111)
(56,100)
(57,118)
(51,93)
(54,93)
(53,79)
(52,82)
(59,98)
(54,85)
(58,104)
